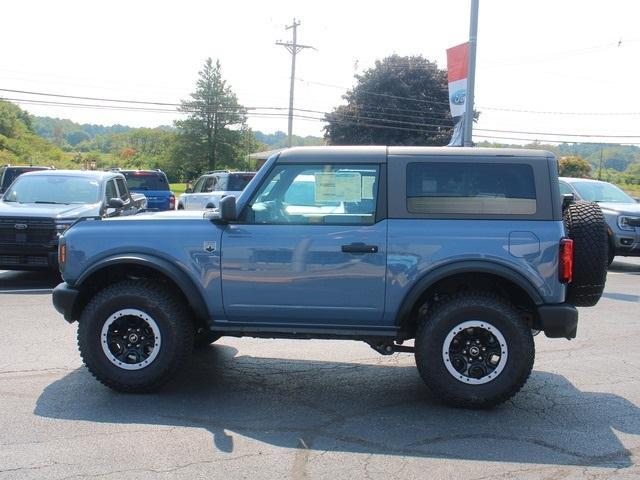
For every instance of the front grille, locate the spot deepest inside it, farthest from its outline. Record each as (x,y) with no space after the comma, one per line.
(38,231)
(23,260)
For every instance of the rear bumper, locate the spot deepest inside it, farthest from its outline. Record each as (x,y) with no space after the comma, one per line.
(64,299)
(558,321)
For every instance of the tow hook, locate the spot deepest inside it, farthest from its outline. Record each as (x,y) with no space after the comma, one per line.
(391,348)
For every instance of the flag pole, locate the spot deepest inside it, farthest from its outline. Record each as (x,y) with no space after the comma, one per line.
(473,40)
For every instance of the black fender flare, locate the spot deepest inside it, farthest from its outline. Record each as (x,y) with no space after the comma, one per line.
(187,286)
(466,266)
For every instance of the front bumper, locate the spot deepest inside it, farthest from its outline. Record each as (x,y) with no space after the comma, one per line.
(20,258)
(558,320)
(64,300)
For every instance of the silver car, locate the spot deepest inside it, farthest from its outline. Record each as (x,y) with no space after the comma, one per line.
(211,187)
(621,212)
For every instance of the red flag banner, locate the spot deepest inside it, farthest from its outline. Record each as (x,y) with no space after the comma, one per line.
(457,73)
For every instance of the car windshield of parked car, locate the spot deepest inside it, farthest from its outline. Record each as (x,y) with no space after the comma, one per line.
(53,189)
(238,181)
(146,181)
(601,192)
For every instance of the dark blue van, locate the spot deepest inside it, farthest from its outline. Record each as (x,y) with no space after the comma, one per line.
(154,185)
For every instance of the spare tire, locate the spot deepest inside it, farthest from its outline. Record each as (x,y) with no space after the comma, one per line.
(587,228)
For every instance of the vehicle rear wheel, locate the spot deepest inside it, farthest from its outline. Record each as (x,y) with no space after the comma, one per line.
(180,207)
(591,253)
(474,350)
(134,336)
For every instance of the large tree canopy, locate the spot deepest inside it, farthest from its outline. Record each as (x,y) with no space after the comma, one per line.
(401,101)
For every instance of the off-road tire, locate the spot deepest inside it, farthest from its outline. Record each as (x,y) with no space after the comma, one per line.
(446,316)
(205,337)
(168,312)
(587,228)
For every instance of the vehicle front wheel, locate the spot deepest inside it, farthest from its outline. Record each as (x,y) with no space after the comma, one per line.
(134,336)
(474,350)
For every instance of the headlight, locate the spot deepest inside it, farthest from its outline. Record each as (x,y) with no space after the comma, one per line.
(62,225)
(628,223)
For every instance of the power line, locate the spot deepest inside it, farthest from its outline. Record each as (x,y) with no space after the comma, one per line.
(539,112)
(369,92)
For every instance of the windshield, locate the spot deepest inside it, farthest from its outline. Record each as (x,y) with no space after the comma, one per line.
(601,192)
(238,181)
(53,189)
(146,181)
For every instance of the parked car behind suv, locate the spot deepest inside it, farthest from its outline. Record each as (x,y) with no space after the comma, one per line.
(621,212)
(40,205)
(9,173)
(154,185)
(211,187)
(462,251)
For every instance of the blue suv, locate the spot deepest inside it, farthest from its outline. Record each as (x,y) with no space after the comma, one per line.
(459,255)
(154,185)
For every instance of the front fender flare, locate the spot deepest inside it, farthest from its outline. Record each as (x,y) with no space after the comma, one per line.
(187,286)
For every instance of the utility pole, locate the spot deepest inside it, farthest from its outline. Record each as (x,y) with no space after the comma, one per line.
(294,48)
(471,79)
(600,166)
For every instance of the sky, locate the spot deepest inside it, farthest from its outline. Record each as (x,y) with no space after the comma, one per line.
(577,59)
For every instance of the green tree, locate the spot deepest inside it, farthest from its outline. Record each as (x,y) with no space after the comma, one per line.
(574,167)
(212,109)
(401,101)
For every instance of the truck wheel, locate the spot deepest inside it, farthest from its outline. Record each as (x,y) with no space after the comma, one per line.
(134,336)
(474,350)
(587,228)
(205,337)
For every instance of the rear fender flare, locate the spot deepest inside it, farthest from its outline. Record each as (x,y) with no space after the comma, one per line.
(472,266)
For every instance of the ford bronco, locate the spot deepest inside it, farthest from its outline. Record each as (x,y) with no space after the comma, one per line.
(460,255)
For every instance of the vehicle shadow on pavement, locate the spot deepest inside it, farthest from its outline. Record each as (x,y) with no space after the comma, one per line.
(379,408)
(624,267)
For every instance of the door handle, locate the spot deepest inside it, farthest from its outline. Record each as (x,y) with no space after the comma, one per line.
(359,248)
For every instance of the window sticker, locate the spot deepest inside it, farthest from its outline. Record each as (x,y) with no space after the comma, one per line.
(338,187)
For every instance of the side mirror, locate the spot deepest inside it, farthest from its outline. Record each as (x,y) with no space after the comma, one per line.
(116,203)
(567,199)
(228,208)
(189,190)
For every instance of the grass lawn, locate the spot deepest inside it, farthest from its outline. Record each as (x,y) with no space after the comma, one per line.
(178,188)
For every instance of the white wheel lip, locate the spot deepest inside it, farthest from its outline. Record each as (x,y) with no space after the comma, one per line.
(475,324)
(154,327)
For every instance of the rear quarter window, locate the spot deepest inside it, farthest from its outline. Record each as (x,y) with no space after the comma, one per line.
(470,188)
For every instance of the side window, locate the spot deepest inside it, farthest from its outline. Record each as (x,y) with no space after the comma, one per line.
(197,188)
(316,194)
(470,189)
(122,188)
(565,189)
(220,184)
(209,184)
(111,191)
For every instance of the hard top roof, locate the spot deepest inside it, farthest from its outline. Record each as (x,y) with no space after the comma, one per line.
(378,154)
(94,174)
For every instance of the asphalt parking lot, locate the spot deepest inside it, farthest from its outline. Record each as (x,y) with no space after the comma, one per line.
(255,409)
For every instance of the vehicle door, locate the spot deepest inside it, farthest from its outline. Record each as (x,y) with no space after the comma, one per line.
(129,207)
(201,192)
(309,248)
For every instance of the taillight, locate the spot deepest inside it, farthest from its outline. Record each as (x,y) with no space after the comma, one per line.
(172,202)
(566,260)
